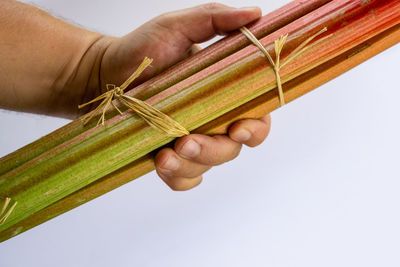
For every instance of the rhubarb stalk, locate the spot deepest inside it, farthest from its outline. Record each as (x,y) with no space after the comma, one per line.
(203,97)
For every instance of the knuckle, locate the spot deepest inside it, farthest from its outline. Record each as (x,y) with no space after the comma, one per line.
(230,152)
(159,18)
(212,6)
(213,153)
(214,156)
(164,19)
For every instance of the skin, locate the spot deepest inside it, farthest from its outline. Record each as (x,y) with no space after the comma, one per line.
(50,67)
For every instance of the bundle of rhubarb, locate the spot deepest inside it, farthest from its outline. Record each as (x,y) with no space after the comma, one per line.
(229,80)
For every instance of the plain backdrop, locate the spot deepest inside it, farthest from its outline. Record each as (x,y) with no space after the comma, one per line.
(323,190)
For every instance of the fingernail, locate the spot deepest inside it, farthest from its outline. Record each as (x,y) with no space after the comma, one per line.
(190,149)
(172,164)
(242,135)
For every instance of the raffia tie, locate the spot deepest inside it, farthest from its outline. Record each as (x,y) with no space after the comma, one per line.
(6,212)
(151,115)
(278,45)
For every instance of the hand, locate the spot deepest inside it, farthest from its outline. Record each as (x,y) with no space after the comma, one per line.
(181,168)
(59,66)
(168,39)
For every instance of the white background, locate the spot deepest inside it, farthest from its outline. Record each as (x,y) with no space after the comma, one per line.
(323,190)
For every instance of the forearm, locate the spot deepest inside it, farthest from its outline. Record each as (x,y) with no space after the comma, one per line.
(46,65)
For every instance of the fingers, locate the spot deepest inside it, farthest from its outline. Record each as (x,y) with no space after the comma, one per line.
(251,132)
(170,163)
(201,23)
(207,150)
(178,173)
(181,168)
(180,183)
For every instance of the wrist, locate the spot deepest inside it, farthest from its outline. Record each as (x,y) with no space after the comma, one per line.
(85,79)
(50,63)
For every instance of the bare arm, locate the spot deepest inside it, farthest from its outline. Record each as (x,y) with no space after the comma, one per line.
(45,62)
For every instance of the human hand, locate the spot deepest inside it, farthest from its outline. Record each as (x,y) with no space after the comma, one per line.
(168,39)
(181,168)
(56,66)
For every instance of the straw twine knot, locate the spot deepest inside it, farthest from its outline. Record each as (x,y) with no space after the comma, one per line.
(277,64)
(117,91)
(151,115)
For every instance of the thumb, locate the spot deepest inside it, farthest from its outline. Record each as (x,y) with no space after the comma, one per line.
(177,31)
(169,38)
(201,23)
